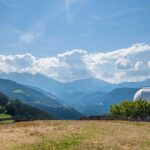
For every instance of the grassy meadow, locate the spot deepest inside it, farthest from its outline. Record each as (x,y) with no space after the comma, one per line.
(5,116)
(75,135)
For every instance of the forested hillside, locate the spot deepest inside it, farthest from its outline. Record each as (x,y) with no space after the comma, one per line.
(20,111)
(36,98)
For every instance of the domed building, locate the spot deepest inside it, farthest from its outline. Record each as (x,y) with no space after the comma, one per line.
(143,93)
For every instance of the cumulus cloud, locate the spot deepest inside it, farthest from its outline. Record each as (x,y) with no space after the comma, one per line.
(128,64)
(149,64)
(139,65)
(123,64)
(16,63)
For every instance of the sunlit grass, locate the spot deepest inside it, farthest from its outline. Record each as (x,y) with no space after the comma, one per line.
(4,116)
(18,91)
(75,135)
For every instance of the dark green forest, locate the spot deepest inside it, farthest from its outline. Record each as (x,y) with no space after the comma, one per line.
(20,111)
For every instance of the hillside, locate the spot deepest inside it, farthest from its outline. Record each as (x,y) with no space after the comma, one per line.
(37,80)
(75,135)
(38,99)
(82,85)
(52,85)
(89,96)
(19,111)
(26,94)
(99,103)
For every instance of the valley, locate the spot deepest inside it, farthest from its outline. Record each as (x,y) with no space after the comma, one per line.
(87,97)
(74,75)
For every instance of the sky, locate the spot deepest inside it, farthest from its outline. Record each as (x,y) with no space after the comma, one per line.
(54,37)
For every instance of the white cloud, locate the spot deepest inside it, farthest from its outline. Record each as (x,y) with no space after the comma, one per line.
(123,64)
(16,63)
(148,64)
(128,64)
(139,65)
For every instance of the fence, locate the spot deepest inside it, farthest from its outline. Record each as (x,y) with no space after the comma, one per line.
(114,118)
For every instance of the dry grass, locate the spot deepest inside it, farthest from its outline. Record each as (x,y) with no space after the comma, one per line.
(75,135)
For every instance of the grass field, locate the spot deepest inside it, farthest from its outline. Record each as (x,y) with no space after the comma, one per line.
(5,116)
(75,135)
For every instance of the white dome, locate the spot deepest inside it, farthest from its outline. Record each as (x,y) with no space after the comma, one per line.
(143,93)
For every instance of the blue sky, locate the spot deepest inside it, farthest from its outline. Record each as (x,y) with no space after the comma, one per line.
(74,39)
(48,27)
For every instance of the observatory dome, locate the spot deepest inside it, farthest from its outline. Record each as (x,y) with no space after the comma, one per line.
(143,93)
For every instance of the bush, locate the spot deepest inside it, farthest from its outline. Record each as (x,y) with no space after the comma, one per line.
(129,109)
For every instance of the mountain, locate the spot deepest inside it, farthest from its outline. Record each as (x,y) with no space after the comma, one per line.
(56,87)
(87,85)
(37,80)
(26,94)
(67,93)
(21,111)
(85,95)
(101,104)
(139,84)
(37,99)
(80,100)
(82,85)
(97,103)
(73,92)
(44,92)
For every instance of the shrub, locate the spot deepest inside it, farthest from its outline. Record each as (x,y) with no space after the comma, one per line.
(137,109)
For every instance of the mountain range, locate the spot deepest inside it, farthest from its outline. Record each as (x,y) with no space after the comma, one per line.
(38,99)
(89,96)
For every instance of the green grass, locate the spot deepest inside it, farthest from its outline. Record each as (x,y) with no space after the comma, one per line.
(75,135)
(69,142)
(17,91)
(4,116)
(6,121)
(66,143)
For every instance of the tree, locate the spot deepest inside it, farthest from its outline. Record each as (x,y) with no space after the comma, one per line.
(115,110)
(25,112)
(2,109)
(141,109)
(129,109)
(3,99)
(21,111)
(126,108)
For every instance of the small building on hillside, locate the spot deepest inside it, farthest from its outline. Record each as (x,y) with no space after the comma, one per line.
(143,93)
